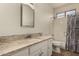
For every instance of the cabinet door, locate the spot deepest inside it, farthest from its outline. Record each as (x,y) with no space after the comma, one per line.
(38,46)
(40,52)
(35,53)
(36,49)
(21,52)
(50,49)
(44,52)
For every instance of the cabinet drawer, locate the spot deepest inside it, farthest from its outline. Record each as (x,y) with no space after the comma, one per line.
(37,46)
(44,52)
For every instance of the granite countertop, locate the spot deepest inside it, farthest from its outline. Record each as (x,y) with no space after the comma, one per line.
(14,45)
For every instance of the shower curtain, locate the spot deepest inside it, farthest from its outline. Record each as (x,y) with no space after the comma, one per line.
(72,37)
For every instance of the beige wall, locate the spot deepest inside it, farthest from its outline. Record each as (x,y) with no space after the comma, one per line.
(10,19)
(66,7)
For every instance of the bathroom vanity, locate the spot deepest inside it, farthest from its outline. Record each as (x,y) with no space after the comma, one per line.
(40,46)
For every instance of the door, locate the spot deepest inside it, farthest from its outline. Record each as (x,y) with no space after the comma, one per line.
(60,26)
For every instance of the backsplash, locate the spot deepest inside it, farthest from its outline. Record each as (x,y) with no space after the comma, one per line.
(21,36)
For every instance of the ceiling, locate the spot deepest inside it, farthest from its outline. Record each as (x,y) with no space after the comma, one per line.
(54,5)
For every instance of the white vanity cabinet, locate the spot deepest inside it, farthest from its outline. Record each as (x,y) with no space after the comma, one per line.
(42,48)
(39,49)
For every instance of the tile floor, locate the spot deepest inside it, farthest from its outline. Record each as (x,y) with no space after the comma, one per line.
(65,53)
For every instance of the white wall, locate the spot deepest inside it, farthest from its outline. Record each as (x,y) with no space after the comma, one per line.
(10,19)
(43,13)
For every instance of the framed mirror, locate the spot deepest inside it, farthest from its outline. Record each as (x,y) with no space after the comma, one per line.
(27,16)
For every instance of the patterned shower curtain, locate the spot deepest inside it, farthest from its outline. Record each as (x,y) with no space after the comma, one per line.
(72,36)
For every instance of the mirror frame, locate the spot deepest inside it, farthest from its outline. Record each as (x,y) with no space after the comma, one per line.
(21,15)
